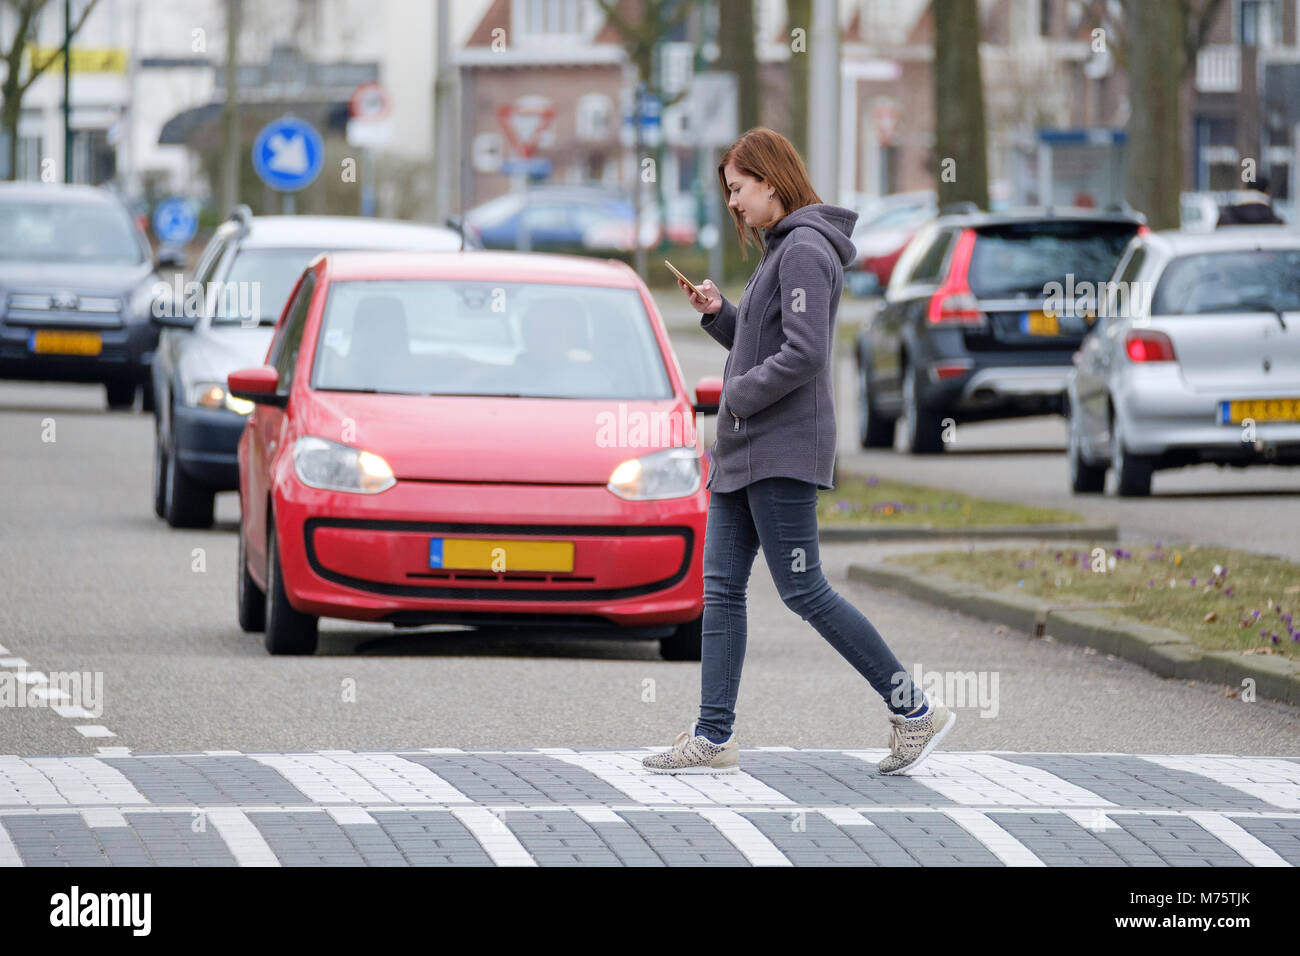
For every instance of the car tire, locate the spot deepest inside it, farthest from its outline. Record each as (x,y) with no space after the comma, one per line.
(924,431)
(873,430)
(1085,478)
(288,631)
(250,598)
(146,396)
(120,396)
(1132,472)
(186,503)
(161,463)
(684,644)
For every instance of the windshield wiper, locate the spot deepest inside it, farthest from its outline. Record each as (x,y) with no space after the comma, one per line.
(1252,307)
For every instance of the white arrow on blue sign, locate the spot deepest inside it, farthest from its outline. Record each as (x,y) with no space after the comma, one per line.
(288,154)
(175,220)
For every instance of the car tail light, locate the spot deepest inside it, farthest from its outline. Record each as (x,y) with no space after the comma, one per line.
(951,369)
(953,303)
(1143,229)
(1149,347)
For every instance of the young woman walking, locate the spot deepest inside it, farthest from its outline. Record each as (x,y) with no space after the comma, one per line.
(775,448)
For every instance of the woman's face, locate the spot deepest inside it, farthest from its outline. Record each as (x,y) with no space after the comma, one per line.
(753,199)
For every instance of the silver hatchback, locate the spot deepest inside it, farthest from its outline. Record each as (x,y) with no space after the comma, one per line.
(1193,356)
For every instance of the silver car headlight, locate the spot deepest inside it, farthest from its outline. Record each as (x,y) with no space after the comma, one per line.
(333,467)
(215,395)
(671,473)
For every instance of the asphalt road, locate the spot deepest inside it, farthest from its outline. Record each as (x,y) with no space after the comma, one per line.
(91,582)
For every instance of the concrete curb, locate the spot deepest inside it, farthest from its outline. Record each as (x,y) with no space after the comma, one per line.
(828,531)
(1161,651)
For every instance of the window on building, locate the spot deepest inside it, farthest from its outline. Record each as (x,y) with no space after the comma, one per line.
(595,116)
(1259,22)
(552,17)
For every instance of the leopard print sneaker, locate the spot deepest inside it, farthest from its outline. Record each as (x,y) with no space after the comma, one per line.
(912,738)
(695,753)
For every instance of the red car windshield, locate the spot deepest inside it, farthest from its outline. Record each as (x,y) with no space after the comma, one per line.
(449,337)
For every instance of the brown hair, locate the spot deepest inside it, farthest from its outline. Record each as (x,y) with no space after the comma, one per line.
(770,158)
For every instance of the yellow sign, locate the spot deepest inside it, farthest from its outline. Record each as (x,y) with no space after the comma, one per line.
(504,555)
(1264,410)
(84,60)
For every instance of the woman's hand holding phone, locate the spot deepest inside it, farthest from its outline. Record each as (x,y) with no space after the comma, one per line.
(712,300)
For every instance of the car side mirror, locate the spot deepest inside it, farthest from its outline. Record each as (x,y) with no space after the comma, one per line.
(258,385)
(708,395)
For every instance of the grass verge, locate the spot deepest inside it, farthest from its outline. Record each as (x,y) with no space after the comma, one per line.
(877,501)
(1220,598)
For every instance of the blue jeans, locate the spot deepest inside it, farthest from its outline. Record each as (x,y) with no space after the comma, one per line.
(780,514)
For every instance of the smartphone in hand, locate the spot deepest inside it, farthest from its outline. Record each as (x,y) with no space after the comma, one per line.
(688,282)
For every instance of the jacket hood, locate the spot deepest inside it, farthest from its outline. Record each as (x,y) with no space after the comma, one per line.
(834,222)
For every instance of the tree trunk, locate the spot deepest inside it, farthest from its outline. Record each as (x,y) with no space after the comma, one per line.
(1153,158)
(800,16)
(960,149)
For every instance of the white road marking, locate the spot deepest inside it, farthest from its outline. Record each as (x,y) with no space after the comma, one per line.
(32,677)
(1253,850)
(71,711)
(599,815)
(745,837)
(623,772)
(242,838)
(493,834)
(49,693)
(94,730)
(87,780)
(15,662)
(1271,780)
(346,777)
(104,817)
(976,779)
(350,815)
(20,782)
(997,840)
(844,817)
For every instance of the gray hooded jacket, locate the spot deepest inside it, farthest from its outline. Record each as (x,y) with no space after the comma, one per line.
(778,377)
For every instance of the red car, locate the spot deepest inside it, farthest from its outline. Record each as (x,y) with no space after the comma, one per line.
(496,439)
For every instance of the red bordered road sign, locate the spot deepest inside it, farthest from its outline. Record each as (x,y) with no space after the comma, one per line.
(524,121)
(369,101)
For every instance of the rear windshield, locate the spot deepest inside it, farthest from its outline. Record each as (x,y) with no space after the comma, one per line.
(1252,280)
(1026,257)
(70,232)
(264,277)
(447,337)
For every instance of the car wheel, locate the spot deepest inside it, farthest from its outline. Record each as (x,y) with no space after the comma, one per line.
(287,631)
(684,644)
(1132,472)
(251,598)
(924,432)
(121,396)
(1085,478)
(186,503)
(160,465)
(873,431)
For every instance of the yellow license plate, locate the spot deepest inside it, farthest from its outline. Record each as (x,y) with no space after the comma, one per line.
(486,554)
(66,343)
(1040,323)
(1260,410)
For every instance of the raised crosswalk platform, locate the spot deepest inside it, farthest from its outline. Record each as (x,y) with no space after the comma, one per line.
(559,806)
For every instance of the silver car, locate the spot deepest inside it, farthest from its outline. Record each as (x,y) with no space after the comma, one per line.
(1193,356)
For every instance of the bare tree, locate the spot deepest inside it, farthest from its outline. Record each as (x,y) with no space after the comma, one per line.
(640,35)
(26,16)
(1156,43)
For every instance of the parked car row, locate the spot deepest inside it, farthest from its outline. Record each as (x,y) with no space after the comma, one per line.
(1162,349)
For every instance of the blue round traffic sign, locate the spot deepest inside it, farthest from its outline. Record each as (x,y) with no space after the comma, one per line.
(175,220)
(288,154)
